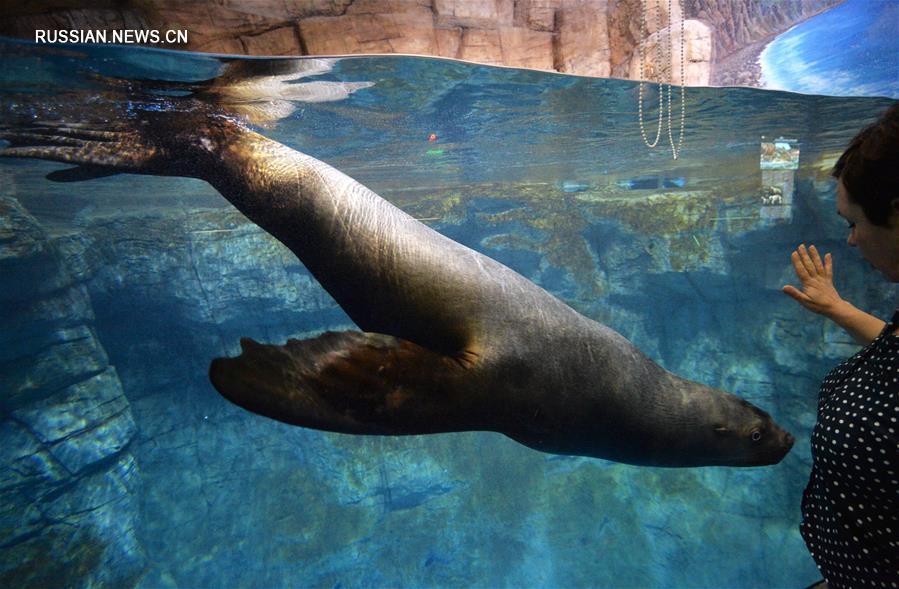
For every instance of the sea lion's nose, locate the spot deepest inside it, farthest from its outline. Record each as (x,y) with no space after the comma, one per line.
(789,440)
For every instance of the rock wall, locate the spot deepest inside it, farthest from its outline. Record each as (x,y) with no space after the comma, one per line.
(587,37)
(229,497)
(68,482)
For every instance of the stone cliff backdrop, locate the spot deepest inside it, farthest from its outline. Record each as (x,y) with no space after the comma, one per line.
(588,37)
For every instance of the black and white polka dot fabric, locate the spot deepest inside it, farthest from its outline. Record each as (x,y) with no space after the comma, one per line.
(850,509)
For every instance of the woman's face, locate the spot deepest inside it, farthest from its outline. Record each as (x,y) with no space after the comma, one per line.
(878,245)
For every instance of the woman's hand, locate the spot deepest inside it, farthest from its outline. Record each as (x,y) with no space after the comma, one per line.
(818,293)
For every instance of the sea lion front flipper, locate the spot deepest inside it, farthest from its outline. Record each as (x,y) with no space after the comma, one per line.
(349,382)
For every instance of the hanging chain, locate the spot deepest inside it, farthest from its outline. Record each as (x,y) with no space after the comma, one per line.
(642,74)
(664,87)
(675,150)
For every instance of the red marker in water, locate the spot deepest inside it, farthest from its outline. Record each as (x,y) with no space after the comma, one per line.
(432,137)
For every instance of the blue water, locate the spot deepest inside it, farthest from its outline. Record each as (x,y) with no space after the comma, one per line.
(851,50)
(145,279)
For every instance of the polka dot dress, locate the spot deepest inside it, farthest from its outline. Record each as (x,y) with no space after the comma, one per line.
(850,509)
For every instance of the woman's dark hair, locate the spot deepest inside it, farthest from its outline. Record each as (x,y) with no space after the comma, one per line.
(869,168)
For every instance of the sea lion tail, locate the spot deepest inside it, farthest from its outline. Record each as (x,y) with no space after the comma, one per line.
(349,382)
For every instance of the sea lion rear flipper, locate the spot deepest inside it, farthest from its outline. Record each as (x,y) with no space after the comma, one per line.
(350,382)
(98,150)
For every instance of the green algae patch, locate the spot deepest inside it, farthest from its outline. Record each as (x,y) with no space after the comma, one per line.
(661,214)
(541,218)
(431,207)
(561,242)
(689,252)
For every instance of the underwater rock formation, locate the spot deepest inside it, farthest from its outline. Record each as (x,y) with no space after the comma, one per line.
(588,38)
(69,481)
(263,504)
(310,503)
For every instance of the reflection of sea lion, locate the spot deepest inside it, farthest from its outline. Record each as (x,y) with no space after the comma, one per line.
(264,91)
(452,341)
(259,91)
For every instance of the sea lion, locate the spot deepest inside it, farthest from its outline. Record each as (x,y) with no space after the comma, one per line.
(451,339)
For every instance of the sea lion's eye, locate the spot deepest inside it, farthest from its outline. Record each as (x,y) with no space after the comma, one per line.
(756,435)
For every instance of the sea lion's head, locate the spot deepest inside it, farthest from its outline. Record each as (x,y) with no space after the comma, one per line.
(686,424)
(741,434)
(698,425)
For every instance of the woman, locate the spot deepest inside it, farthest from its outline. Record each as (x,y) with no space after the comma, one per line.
(850,508)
